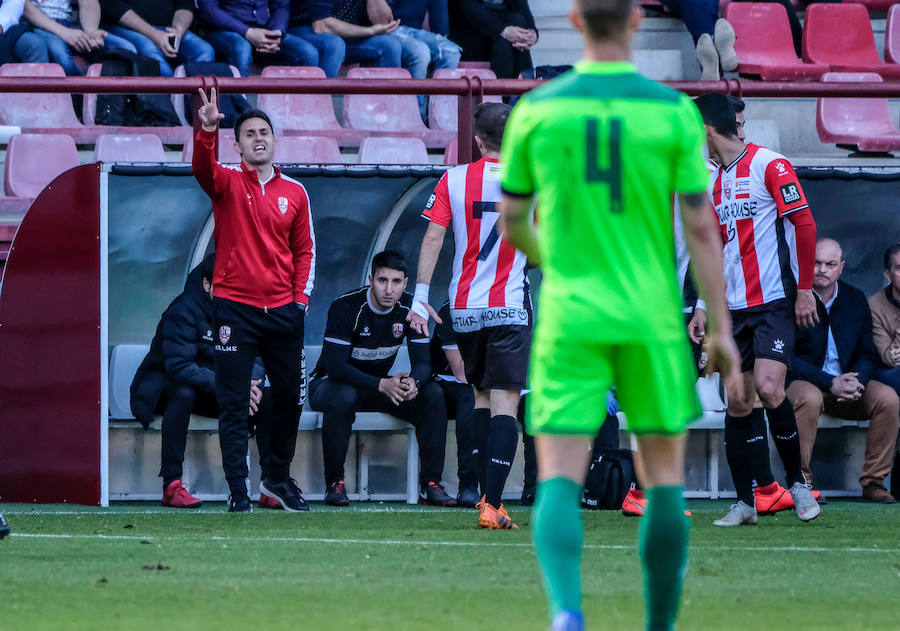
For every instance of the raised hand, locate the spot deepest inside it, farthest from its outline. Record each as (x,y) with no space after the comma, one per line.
(209,110)
(418,321)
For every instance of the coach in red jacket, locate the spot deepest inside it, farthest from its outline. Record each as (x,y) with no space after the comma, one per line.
(265,267)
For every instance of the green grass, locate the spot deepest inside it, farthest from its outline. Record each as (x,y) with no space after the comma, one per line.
(355,568)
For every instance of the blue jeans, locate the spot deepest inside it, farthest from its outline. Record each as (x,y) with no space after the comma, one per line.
(330,48)
(422,48)
(21,45)
(236,50)
(383,51)
(192,48)
(699,16)
(61,54)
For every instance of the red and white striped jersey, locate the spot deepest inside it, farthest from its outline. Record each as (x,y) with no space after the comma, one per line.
(752,198)
(682,256)
(487,270)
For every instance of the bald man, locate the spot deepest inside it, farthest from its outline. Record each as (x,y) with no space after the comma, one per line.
(831,373)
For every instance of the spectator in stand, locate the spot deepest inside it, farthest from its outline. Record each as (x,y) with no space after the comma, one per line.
(428,47)
(330,48)
(366,42)
(713,36)
(157,29)
(17,41)
(177,378)
(242,31)
(499,31)
(53,20)
(831,372)
(363,334)
(450,374)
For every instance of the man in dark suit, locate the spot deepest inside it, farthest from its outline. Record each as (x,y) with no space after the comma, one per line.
(831,373)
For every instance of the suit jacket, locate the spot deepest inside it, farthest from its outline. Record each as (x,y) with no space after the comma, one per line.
(885,325)
(851,326)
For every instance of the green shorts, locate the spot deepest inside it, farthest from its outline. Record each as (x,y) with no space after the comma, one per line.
(655,386)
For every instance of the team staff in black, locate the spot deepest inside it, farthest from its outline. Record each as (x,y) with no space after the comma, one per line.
(450,374)
(364,332)
(264,273)
(177,378)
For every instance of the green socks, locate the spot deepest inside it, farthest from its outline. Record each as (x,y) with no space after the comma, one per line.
(558,539)
(663,545)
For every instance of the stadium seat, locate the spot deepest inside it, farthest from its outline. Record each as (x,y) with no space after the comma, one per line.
(227,154)
(451,153)
(393,151)
(443,109)
(764,43)
(389,114)
(130,148)
(34,160)
(840,35)
(35,109)
(877,6)
(305,114)
(892,36)
(307,150)
(865,123)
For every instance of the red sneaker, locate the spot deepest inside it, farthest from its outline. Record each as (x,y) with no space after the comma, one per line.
(634,503)
(772,498)
(268,502)
(176,496)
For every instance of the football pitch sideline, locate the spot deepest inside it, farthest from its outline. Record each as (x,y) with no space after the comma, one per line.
(386,566)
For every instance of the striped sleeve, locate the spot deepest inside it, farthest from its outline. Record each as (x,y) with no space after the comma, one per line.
(303,247)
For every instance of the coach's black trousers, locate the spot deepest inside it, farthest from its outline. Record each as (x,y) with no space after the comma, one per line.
(339,403)
(276,335)
(460,402)
(178,402)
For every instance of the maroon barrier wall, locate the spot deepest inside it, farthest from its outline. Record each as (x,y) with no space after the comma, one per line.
(50,347)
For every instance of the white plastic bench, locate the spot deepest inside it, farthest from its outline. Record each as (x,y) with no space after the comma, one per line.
(126,358)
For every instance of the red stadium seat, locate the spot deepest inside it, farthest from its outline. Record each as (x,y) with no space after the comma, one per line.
(764,43)
(393,151)
(129,148)
(877,6)
(865,123)
(34,160)
(389,114)
(307,150)
(35,109)
(840,35)
(479,65)
(305,114)
(227,154)
(443,109)
(892,36)
(451,153)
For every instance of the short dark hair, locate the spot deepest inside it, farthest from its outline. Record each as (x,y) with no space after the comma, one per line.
(207,265)
(245,116)
(390,259)
(605,19)
(738,103)
(889,254)
(490,121)
(718,112)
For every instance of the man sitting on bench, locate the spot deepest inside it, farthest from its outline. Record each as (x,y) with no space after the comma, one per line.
(177,378)
(363,334)
(832,373)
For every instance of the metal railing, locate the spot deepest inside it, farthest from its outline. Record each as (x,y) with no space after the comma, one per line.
(470,89)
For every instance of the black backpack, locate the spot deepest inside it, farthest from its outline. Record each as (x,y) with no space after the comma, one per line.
(133,110)
(609,478)
(231,105)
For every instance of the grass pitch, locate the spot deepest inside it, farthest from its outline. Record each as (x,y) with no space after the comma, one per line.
(392,567)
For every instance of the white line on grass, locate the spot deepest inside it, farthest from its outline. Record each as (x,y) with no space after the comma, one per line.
(177,511)
(460,544)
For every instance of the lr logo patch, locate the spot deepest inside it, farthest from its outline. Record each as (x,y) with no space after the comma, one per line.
(790,193)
